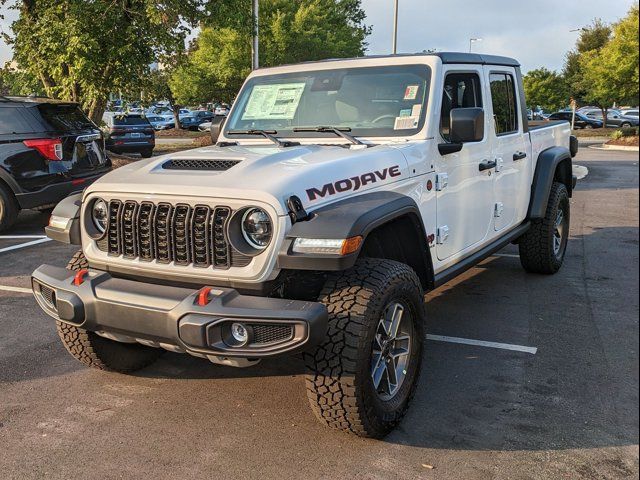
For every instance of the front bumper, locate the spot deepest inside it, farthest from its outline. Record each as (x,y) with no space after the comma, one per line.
(172,318)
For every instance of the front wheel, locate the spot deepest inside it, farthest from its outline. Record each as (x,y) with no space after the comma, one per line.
(99,352)
(543,247)
(363,376)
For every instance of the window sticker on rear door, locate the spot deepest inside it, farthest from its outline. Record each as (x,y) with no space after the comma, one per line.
(279,102)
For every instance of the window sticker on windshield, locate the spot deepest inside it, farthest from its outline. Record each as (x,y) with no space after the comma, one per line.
(406,123)
(278,102)
(416,110)
(411,93)
(405,112)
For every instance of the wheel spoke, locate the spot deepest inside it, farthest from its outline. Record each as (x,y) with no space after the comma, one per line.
(392,377)
(396,318)
(378,371)
(398,353)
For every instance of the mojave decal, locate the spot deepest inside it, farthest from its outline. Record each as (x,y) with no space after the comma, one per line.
(353,183)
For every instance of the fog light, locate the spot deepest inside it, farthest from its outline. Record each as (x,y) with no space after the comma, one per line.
(240,334)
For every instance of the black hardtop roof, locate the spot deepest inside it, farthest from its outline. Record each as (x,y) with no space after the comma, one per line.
(445,57)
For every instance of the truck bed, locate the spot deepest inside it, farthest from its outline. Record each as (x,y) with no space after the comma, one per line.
(546,135)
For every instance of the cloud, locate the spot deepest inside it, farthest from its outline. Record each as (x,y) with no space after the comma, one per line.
(535,32)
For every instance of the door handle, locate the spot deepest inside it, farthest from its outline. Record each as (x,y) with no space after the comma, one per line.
(519,156)
(487,165)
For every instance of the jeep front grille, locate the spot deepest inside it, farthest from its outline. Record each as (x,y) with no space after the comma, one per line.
(167,233)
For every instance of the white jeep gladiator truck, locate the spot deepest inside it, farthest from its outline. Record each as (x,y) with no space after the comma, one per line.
(337,193)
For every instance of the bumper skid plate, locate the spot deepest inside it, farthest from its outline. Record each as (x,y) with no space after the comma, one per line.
(178,318)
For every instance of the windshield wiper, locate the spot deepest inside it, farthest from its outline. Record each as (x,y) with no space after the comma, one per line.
(269,134)
(340,131)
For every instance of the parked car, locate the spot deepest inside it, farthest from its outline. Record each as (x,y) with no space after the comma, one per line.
(129,133)
(615,118)
(290,236)
(193,121)
(205,126)
(581,121)
(48,150)
(221,110)
(159,122)
(632,112)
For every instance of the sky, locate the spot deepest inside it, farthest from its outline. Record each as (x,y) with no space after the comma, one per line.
(536,32)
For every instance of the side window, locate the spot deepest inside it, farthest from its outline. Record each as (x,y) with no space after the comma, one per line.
(461,90)
(505,107)
(12,121)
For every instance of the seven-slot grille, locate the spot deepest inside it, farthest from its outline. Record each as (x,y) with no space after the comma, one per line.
(167,233)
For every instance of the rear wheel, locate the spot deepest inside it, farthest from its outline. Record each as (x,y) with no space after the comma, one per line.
(363,376)
(543,247)
(9,208)
(99,352)
(147,153)
(626,125)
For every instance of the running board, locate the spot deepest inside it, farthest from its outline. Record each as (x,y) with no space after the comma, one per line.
(472,260)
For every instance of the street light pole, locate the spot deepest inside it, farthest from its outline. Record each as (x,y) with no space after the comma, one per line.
(255,48)
(395,27)
(472,41)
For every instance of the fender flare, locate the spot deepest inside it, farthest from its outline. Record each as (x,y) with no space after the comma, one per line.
(553,164)
(10,181)
(67,230)
(351,217)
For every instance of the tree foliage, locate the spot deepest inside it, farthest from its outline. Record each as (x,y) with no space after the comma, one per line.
(610,73)
(290,32)
(546,89)
(83,50)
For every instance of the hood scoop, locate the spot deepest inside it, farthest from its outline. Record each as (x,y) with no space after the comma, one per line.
(199,164)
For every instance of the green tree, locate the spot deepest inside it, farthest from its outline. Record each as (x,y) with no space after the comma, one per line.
(17,82)
(592,38)
(83,50)
(290,32)
(610,74)
(546,89)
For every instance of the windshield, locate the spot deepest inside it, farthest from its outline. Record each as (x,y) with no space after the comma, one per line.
(371,102)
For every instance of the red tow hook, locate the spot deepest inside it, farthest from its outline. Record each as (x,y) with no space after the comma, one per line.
(79,278)
(203,296)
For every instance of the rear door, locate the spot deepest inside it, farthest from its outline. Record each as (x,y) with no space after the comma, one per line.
(82,142)
(511,151)
(464,193)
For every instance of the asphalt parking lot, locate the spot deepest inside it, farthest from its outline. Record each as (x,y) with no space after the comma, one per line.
(559,398)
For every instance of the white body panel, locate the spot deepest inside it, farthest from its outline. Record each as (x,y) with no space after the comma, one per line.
(267,176)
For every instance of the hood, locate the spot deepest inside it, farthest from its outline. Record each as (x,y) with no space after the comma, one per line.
(317,174)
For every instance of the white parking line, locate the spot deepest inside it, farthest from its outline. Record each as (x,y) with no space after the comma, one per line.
(482,343)
(6,288)
(19,237)
(24,245)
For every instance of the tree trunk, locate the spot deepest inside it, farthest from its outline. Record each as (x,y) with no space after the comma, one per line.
(605,111)
(96,110)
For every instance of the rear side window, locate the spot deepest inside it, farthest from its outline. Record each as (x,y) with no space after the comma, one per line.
(64,117)
(461,90)
(130,120)
(12,121)
(505,108)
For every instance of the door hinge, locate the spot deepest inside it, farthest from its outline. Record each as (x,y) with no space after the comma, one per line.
(442,181)
(443,234)
(498,210)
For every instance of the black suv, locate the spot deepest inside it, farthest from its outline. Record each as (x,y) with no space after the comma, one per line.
(129,133)
(48,150)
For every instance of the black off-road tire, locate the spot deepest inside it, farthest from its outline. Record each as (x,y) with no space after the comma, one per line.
(536,246)
(99,352)
(9,208)
(338,373)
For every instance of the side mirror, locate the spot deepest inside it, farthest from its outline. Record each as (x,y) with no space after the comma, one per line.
(466,125)
(217,124)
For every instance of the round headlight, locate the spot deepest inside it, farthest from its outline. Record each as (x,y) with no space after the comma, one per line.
(100,214)
(257,228)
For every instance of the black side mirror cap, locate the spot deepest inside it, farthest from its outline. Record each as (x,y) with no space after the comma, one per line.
(466,125)
(217,124)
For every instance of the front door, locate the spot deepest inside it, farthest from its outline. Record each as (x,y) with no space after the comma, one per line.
(464,193)
(511,152)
